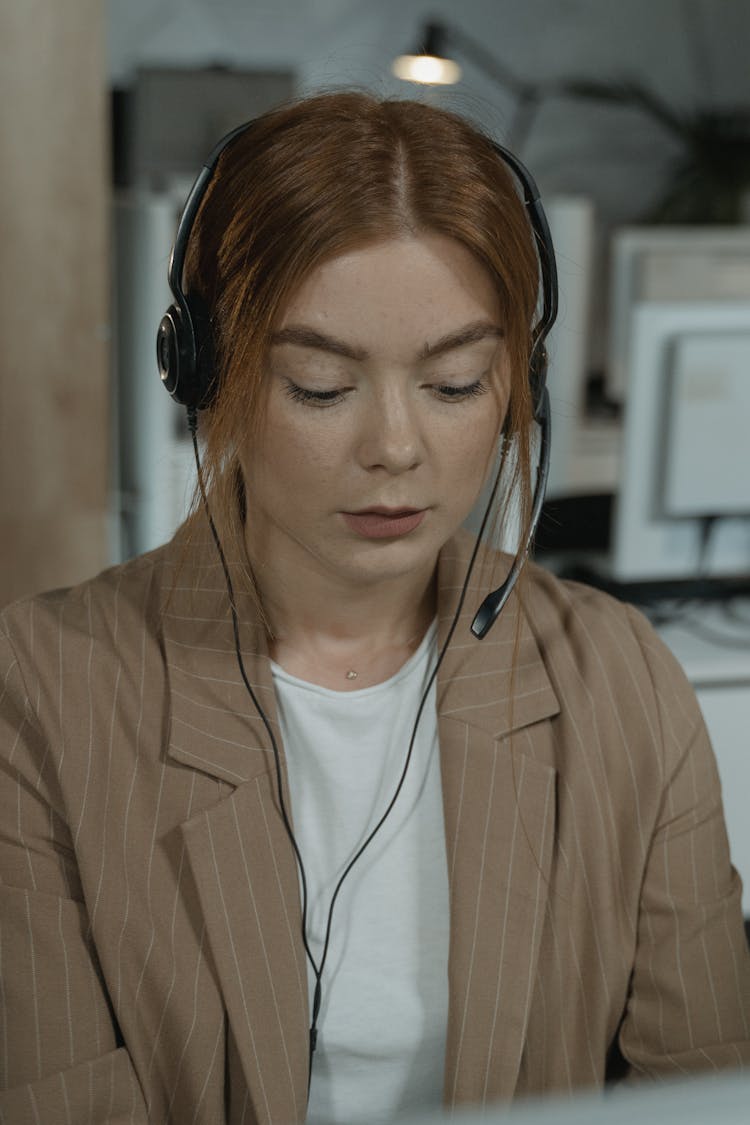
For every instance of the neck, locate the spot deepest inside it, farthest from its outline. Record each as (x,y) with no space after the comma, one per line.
(342,635)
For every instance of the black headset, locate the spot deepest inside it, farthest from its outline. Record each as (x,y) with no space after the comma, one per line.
(185,352)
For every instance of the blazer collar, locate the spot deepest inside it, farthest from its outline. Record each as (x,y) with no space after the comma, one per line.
(499,808)
(215,725)
(496,685)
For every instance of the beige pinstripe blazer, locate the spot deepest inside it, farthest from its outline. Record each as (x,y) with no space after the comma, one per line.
(150,953)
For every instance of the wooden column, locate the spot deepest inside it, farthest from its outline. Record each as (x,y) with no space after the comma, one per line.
(54,295)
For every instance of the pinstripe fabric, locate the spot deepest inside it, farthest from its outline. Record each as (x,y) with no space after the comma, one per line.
(150,958)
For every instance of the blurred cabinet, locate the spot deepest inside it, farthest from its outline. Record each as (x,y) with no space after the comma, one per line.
(726,709)
(714,649)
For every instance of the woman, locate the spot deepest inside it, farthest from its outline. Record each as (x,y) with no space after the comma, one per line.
(198,744)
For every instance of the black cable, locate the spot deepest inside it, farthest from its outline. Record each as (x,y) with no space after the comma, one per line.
(659,616)
(193,427)
(713,636)
(682,615)
(731,610)
(192,417)
(684,605)
(492,605)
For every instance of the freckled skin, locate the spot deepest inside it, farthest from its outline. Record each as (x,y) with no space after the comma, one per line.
(392,431)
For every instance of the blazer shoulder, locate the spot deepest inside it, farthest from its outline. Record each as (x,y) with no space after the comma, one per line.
(105,608)
(615,651)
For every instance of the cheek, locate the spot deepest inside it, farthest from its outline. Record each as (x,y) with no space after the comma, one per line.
(469,457)
(290,458)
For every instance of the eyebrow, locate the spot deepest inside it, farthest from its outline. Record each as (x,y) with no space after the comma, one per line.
(304,337)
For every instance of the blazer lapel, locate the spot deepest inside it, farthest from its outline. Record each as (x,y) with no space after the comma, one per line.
(498,793)
(239,851)
(246,880)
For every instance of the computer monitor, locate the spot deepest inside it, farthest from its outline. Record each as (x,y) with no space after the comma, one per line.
(686,444)
(669,264)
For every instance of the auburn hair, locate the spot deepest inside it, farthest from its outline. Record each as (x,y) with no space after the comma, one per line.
(322,176)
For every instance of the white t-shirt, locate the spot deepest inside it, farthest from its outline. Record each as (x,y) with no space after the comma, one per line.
(381,1029)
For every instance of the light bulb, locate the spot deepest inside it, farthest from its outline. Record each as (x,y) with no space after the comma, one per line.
(430,70)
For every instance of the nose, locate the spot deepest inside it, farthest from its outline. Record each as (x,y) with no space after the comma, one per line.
(392,437)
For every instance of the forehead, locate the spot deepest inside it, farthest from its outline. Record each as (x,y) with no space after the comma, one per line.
(410,287)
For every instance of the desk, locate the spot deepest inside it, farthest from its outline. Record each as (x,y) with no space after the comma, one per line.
(712,642)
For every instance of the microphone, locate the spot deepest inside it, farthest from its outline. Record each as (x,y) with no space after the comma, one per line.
(492,605)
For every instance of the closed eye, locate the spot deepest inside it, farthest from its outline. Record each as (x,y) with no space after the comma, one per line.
(448,392)
(452,391)
(313,398)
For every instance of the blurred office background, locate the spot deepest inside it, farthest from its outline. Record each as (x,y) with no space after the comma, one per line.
(635,121)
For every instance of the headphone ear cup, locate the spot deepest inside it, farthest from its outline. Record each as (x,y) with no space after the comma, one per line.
(185,355)
(175,356)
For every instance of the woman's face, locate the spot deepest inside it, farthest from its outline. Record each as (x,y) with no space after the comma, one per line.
(387,387)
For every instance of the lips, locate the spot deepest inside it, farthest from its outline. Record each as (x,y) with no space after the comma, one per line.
(384,523)
(382,510)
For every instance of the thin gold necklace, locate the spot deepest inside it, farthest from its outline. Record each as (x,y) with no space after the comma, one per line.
(352,673)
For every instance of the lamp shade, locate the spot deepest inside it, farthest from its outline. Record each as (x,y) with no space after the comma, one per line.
(429,64)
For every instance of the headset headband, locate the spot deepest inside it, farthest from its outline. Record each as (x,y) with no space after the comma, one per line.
(184,350)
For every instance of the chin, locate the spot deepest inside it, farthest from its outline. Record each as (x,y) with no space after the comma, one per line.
(382,559)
